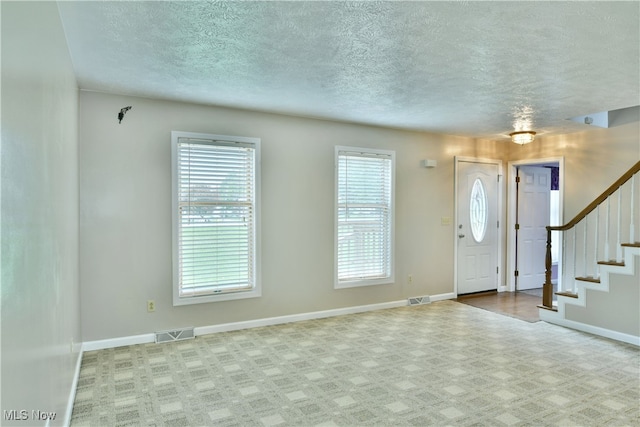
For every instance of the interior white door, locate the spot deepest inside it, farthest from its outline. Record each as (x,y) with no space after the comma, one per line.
(477,237)
(534,191)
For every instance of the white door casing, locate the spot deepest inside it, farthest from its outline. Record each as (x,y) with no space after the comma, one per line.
(532,218)
(477,227)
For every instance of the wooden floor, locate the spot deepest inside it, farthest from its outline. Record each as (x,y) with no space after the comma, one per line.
(513,304)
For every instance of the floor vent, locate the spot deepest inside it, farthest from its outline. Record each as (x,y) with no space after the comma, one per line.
(175,335)
(419,300)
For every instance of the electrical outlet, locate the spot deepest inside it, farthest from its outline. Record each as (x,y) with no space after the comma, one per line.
(151,306)
(410,279)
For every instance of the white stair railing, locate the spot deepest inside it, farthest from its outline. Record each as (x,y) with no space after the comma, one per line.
(594,247)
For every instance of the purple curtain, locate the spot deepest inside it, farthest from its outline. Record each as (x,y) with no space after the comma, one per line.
(555,178)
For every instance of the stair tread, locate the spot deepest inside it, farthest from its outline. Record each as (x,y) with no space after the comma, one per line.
(548,308)
(567,294)
(589,279)
(632,245)
(612,262)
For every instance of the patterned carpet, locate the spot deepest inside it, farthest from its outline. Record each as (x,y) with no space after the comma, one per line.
(440,364)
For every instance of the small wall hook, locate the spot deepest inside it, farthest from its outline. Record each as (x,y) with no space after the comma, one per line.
(122,112)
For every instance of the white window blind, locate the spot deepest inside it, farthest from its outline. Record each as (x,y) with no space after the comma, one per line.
(215,236)
(364,236)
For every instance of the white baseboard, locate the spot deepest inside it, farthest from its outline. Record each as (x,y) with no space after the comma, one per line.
(72,394)
(234,326)
(270,321)
(226,327)
(596,330)
(442,297)
(118,342)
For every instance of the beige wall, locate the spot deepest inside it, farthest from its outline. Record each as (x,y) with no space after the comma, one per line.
(125,193)
(594,159)
(125,202)
(40,295)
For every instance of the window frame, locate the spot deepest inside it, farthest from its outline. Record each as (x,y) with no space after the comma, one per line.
(256,289)
(359,282)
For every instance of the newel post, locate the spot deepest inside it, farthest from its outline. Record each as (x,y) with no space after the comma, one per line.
(547,287)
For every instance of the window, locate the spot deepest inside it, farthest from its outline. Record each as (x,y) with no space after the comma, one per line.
(364,216)
(478,211)
(215,217)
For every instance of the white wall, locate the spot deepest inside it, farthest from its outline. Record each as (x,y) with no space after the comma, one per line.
(39,227)
(125,197)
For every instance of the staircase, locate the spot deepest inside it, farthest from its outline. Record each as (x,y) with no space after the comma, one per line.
(599,285)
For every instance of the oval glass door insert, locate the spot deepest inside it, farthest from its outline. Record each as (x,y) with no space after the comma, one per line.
(478,214)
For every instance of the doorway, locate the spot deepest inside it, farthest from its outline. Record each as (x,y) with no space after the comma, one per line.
(534,200)
(533,213)
(477,247)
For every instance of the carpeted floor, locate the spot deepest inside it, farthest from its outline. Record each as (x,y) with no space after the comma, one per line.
(439,364)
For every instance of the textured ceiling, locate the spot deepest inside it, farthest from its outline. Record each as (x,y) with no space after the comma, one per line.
(479,69)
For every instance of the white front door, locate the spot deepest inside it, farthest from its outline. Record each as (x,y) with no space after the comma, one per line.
(477,228)
(533,217)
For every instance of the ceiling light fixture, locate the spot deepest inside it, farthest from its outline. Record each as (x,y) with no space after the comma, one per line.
(522,137)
